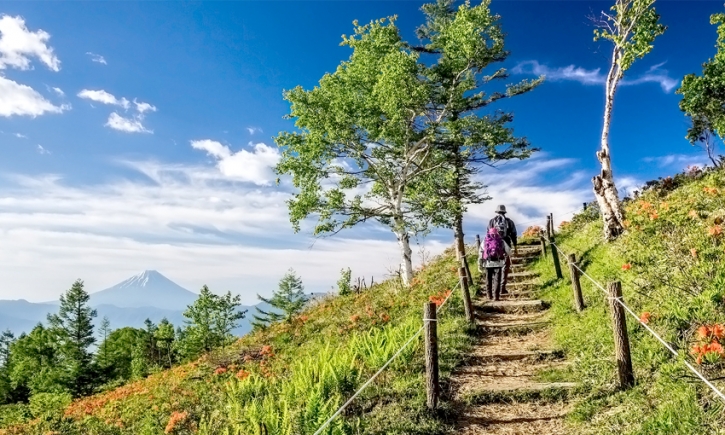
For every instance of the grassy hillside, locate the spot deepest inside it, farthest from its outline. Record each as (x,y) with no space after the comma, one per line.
(671,263)
(287,379)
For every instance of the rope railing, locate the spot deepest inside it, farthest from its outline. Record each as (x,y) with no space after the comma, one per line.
(641,322)
(390,361)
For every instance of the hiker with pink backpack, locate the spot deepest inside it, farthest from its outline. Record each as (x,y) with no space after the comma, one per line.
(496,252)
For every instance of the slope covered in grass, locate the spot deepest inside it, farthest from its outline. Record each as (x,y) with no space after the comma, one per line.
(671,265)
(289,378)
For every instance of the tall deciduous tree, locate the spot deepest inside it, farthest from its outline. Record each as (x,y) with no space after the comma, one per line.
(703,97)
(631,27)
(364,137)
(74,326)
(37,364)
(287,301)
(463,43)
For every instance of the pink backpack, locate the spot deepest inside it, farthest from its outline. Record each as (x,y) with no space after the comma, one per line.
(493,246)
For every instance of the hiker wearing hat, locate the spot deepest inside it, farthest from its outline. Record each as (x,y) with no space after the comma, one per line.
(507,230)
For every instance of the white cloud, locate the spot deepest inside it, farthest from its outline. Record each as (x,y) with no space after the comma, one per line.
(128,125)
(251,166)
(595,76)
(528,193)
(101,96)
(42,150)
(20,136)
(59,91)
(97,58)
(190,223)
(18,45)
(253,130)
(143,107)
(22,100)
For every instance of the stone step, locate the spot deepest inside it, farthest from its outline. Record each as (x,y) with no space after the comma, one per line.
(512,306)
(504,393)
(521,276)
(519,355)
(522,285)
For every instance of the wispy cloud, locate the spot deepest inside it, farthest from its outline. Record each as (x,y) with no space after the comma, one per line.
(254,130)
(20,135)
(654,74)
(143,107)
(97,58)
(128,125)
(250,166)
(42,150)
(18,46)
(678,161)
(101,96)
(58,91)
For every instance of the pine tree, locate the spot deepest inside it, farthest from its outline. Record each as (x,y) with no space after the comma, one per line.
(74,326)
(104,361)
(165,337)
(287,301)
(210,320)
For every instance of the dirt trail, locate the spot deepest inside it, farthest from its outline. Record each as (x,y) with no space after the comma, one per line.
(498,389)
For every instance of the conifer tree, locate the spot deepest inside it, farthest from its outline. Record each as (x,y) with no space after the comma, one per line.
(210,321)
(74,327)
(165,337)
(286,302)
(461,44)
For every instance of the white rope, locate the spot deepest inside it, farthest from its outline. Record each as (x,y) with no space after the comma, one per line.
(651,331)
(369,381)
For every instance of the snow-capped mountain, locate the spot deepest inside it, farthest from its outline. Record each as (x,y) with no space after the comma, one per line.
(147,289)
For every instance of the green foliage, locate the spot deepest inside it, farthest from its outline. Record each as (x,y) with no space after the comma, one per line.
(344,286)
(286,302)
(120,346)
(36,363)
(703,97)
(632,27)
(48,405)
(210,321)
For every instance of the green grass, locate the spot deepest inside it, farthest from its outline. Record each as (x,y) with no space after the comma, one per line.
(680,291)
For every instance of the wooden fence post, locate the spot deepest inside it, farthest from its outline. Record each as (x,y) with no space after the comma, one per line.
(466,295)
(575,284)
(553,232)
(621,340)
(543,247)
(555,257)
(431,355)
(548,227)
(468,270)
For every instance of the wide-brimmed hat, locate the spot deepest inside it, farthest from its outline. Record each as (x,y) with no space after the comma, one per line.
(501,209)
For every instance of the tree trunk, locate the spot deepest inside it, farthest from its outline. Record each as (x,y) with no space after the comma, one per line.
(458,238)
(404,243)
(604,189)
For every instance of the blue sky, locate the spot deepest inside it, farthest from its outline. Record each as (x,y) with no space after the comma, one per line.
(138,135)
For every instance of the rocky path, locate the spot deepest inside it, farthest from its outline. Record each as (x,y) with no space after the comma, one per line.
(498,389)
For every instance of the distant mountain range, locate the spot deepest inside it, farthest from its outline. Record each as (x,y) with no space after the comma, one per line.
(148,295)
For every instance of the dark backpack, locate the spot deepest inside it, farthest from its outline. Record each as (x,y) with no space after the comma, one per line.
(493,246)
(501,224)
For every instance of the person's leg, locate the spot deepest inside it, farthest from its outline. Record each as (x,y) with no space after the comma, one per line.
(489,279)
(505,279)
(497,283)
